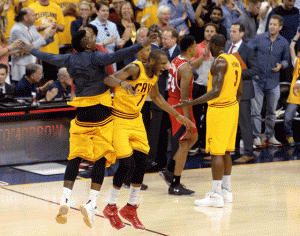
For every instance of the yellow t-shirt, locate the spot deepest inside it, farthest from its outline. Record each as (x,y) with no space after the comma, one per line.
(231,83)
(11,14)
(45,15)
(125,103)
(150,7)
(28,2)
(65,36)
(292,98)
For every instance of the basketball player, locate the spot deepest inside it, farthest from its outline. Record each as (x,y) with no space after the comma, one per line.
(223,95)
(180,86)
(130,137)
(91,130)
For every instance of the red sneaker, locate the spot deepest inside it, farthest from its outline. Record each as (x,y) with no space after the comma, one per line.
(111,213)
(129,213)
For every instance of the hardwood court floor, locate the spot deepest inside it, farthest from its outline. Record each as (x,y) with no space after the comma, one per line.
(266,202)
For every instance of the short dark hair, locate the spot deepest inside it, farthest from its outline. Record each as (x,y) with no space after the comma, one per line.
(32,68)
(76,40)
(156,54)
(186,42)
(279,18)
(20,16)
(242,27)
(174,32)
(218,40)
(99,4)
(217,8)
(3,66)
(94,28)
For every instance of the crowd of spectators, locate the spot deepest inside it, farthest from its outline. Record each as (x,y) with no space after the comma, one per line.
(50,24)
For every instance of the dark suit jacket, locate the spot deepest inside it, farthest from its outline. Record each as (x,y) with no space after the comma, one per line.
(176,53)
(248,56)
(9,89)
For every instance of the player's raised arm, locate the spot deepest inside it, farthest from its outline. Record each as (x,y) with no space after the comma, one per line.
(118,78)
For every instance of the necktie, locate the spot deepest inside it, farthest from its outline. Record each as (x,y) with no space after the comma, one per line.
(31,38)
(232,47)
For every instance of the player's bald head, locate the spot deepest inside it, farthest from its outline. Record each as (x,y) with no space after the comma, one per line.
(156,55)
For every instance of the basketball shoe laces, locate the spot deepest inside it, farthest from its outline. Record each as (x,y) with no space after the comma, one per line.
(114,215)
(134,216)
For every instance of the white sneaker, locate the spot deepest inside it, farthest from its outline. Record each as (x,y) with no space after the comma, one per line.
(64,208)
(211,200)
(88,213)
(227,195)
(273,142)
(257,143)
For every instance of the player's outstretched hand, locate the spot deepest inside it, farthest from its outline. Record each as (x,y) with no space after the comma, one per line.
(296,89)
(25,48)
(186,122)
(128,88)
(150,39)
(184,103)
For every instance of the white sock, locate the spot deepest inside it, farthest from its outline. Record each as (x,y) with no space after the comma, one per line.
(93,197)
(217,186)
(133,195)
(226,182)
(66,195)
(114,194)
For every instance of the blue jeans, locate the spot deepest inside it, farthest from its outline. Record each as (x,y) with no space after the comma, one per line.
(289,114)
(272,97)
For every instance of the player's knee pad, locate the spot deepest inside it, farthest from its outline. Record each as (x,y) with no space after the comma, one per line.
(72,169)
(98,171)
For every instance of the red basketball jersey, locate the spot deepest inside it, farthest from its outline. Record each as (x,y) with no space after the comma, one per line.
(173,85)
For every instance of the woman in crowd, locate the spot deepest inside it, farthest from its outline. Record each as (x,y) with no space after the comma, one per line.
(163,16)
(127,29)
(85,10)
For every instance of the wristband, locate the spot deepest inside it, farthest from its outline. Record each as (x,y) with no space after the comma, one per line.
(298,82)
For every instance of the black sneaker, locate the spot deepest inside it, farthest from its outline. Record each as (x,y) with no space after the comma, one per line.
(143,187)
(166,175)
(180,190)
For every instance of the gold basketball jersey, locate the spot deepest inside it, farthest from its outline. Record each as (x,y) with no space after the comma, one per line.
(292,98)
(231,83)
(127,105)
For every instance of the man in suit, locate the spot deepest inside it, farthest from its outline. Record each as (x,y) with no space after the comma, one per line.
(248,56)
(169,41)
(5,88)
(25,30)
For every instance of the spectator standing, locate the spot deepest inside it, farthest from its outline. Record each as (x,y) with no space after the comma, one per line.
(163,16)
(203,62)
(230,15)
(249,19)
(293,100)
(272,52)
(49,14)
(265,9)
(108,35)
(146,12)
(9,13)
(180,11)
(247,54)
(68,8)
(26,31)
(85,10)
(127,30)
(290,15)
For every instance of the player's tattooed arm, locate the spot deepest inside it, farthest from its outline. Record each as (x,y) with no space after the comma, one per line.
(119,78)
